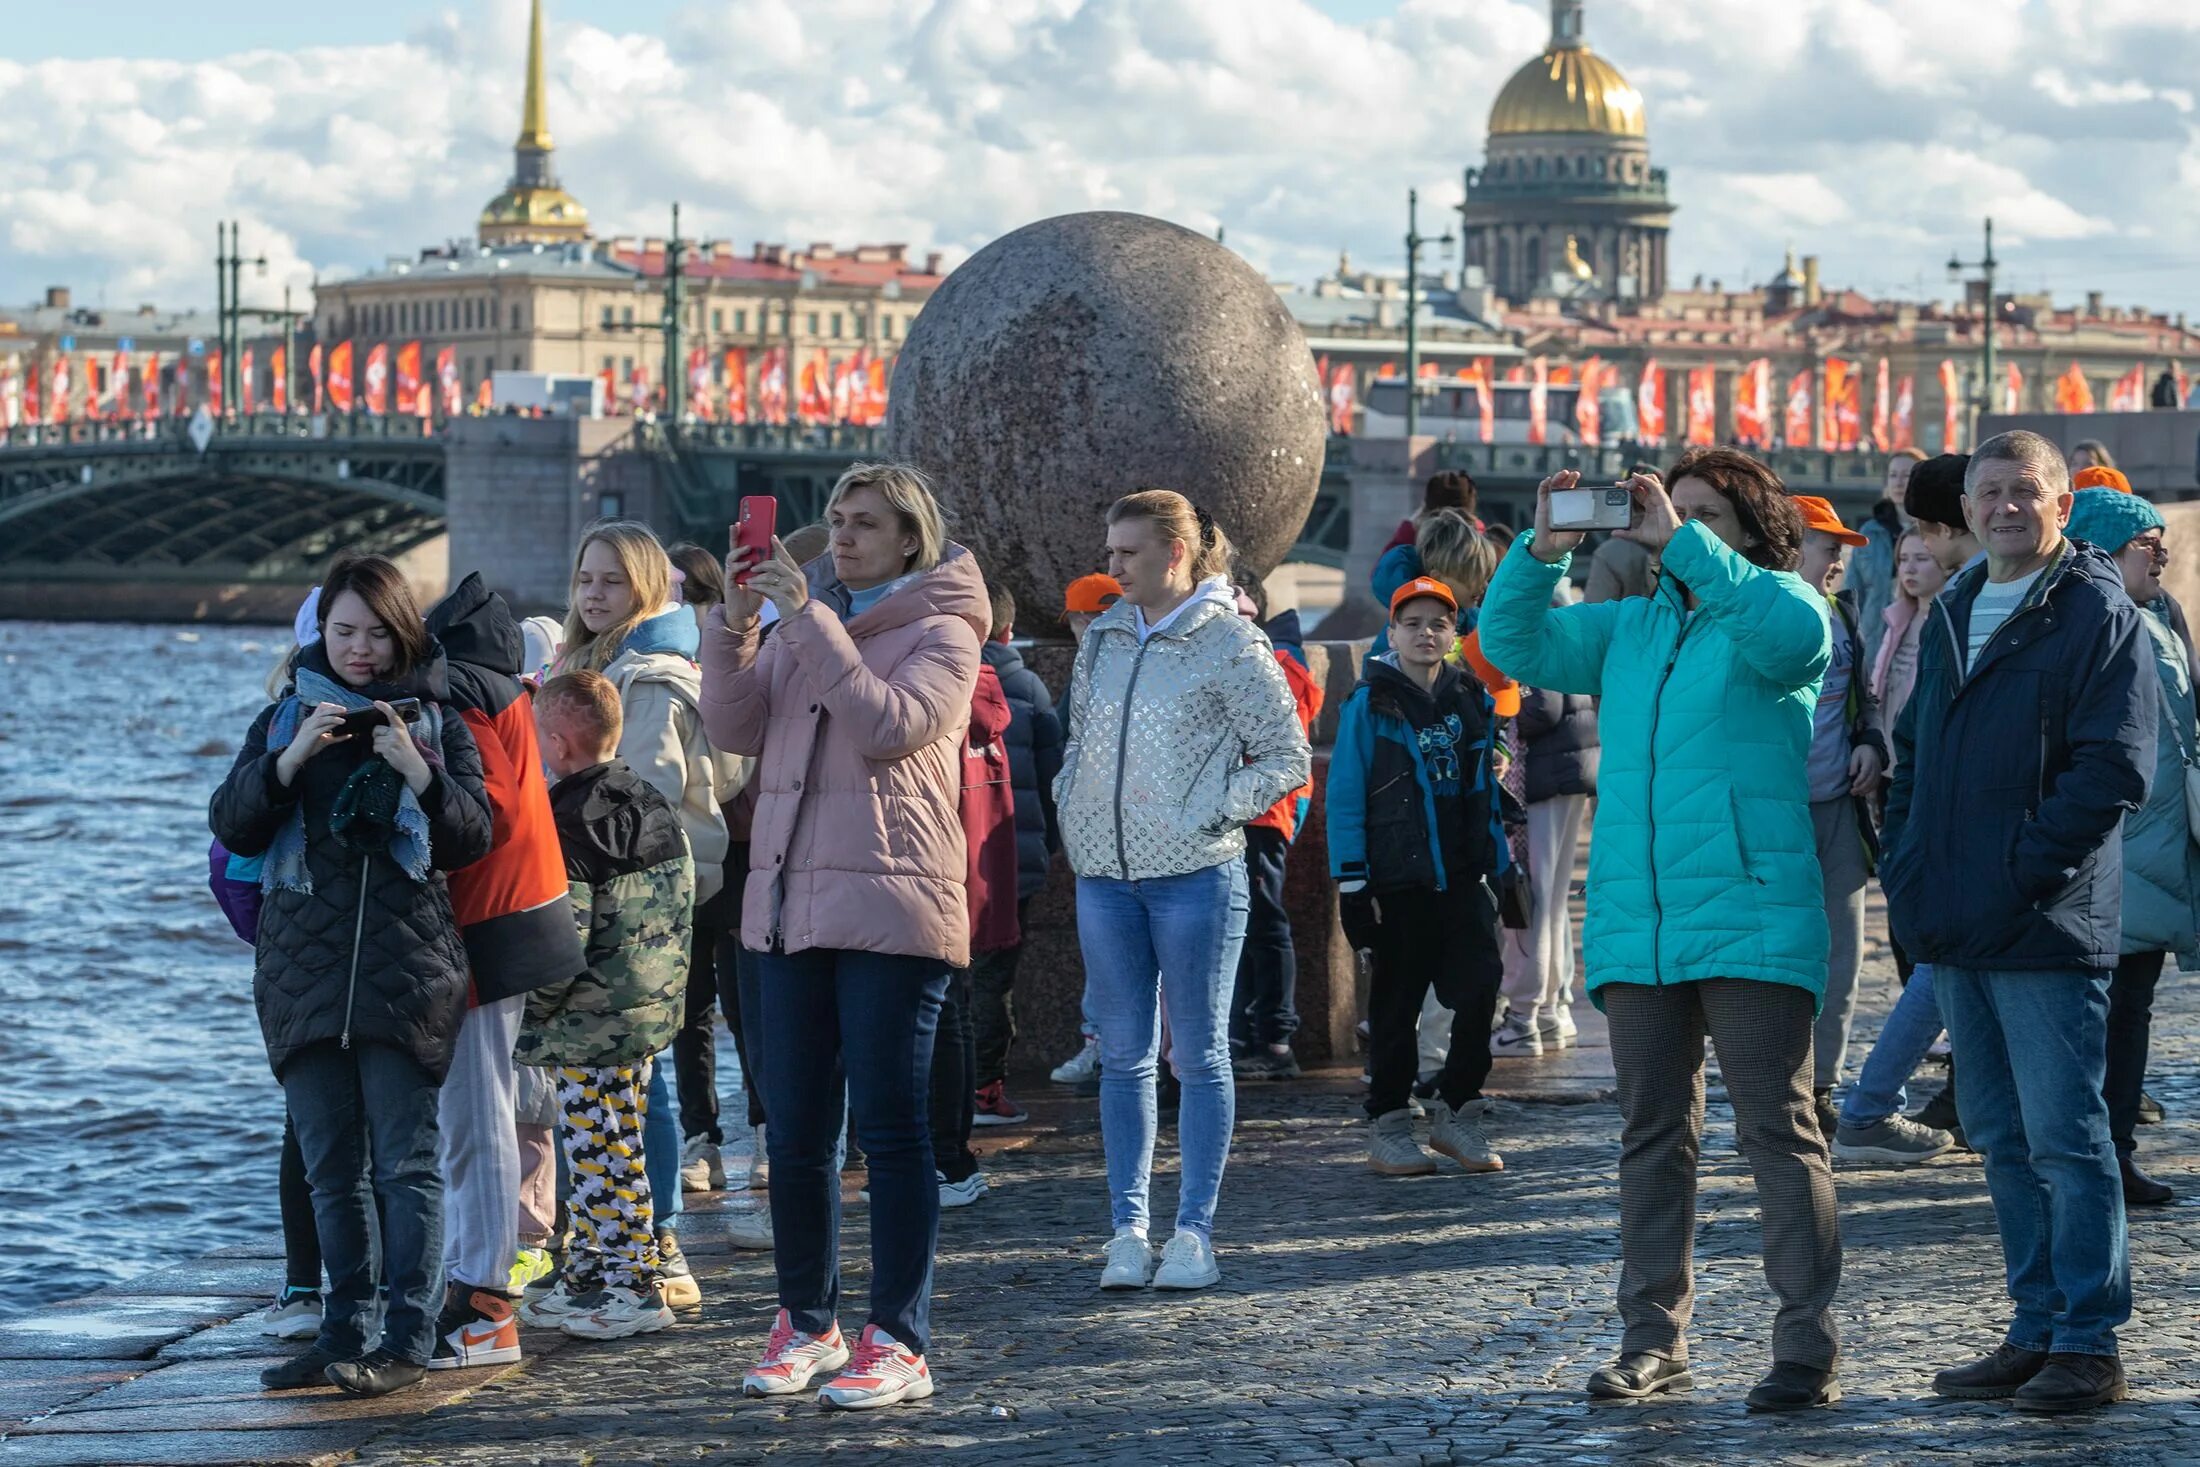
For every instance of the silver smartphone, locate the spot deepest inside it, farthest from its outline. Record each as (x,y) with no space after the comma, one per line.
(1591,509)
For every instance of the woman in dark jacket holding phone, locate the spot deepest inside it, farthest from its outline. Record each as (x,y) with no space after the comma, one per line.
(358,801)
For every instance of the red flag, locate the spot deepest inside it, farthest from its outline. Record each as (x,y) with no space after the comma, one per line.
(1485,397)
(1562,375)
(446,376)
(637,389)
(1837,392)
(484,397)
(340,396)
(30,393)
(1951,421)
(214,383)
(278,379)
(881,384)
(1539,403)
(11,402)
(246,388)
(608,382)
(2184,384)
(122,402)
(1905,408)
(1650,403)
(1430,369)
(2129,395)
(2012,396)
(737,385)
(699,383)
(1703,398)
(57,391)
(816,404)
(1753,404)
(313,377)
(408,377)
(771,387)
(150,387)
(1588,412)
(1340,398)
(1798,424)
(1882,410)
(377,391)
(847,406)
(2073,394)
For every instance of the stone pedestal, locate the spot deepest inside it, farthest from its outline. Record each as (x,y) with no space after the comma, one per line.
(520,489)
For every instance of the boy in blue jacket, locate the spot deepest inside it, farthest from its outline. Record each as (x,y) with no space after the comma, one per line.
(1412,836)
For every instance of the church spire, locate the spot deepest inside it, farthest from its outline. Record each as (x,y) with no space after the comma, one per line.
(1566,24)
(534,118)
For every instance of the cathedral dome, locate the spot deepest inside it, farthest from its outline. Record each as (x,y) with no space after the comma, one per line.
(1569,88)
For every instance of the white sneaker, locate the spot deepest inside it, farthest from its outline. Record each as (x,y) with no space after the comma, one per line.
(1081,1068)
(1558,1019)
(1187,1263)
(760,1165)
(551,1310)
(618,1313)
(294,1317)
(883,1372)
(962,1193)
(701,1167)
(791,1358)
(1516,1038)
(751,1227)
(1130,1261)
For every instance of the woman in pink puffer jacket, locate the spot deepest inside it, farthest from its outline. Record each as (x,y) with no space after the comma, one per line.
(854,709)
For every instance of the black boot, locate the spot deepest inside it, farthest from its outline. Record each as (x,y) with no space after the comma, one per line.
(299,1371)
(1792,1387)
(2141,1190)
(2073,1383)
(1995,1378)
(1632,1377)
(376,1374)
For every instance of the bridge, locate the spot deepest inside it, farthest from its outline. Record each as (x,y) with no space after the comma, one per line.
(266,500)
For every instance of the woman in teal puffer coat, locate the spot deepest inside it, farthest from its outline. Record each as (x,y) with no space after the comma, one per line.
(1705,911)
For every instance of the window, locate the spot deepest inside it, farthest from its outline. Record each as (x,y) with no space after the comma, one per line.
(626,316)
(836,325)
(813,323)
(740,321)
(515,361)
(515,322)
(607,318)
(718,320)
(609,364)
(626,368)
(467,370)
(886,325)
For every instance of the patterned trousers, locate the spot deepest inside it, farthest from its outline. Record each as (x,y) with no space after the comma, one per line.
(1762,1032)
(614,1236)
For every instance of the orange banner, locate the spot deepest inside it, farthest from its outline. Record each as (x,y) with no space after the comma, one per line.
(1588,412)
(408,377)
(1539,403)
(1753,404)
(340,397)
(1883,410)
(1798,426)
(377,391)
(446,377)
(1951,416)
(278,380)
(1703,405)
(1904,433)
(771,387)
(1650,404)
(2073,394)
(737,385)
(2012,393)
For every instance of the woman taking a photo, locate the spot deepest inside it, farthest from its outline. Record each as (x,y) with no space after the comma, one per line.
(359,790)
(1181,729)
(1705,910)
(855,709)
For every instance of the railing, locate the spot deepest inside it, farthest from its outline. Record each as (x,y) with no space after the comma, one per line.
(173,433)
(1798,468)
(830,438)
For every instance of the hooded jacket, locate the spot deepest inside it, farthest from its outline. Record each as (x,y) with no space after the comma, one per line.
(2161,859)
(1559,732)
(410,991)
(1174,742)
(510,904)
(1034,743)
(988,809)
(1381,798)
(632,894)
(663,739)
(1705,862)
(857,840)
(2010,779)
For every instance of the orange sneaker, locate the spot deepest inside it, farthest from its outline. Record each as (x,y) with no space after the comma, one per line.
(884,1371)
(994,1108)
(476,1329)
(791,1358)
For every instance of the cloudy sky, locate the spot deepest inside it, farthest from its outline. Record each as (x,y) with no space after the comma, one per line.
(1875,133)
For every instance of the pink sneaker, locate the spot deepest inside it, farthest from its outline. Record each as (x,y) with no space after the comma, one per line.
(883,1372)
(792,1358)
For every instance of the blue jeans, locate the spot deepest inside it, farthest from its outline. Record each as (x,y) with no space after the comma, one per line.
(1173,937)
(872,1018)
(1882,1085)
(661,1146)
(2034,1051)
(366,1123)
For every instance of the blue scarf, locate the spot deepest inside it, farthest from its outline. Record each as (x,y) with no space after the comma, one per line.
(283,868)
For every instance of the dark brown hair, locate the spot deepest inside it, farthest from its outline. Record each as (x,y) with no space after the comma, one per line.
(1452,489)
(1760,503)
(376,580)
(704,582)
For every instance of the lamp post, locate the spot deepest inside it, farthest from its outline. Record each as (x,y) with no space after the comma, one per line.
(229,262)
(1414,240)
(1985,266)
(675,304)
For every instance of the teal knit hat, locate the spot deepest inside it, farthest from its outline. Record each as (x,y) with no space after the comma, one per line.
(2110,518)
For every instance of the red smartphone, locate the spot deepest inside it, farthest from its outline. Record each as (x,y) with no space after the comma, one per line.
(759,521)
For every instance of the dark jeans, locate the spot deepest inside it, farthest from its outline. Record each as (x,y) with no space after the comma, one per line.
(954,1108)
(695,1047)
(366,1120)
(1263,1009)
(875,1014)
(1447,938)
(2130,1025)
(992,1019)
(301,1245)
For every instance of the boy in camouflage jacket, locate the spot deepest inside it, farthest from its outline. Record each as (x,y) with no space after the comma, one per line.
(633,887)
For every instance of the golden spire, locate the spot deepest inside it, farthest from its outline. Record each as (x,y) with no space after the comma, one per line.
(534,118)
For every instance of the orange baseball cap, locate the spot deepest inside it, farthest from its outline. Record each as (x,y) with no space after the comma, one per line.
(1819,515)
(1091,595)
(1420,586)
(2100,478)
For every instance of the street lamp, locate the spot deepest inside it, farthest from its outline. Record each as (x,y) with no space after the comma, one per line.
(1414,240)
(1985,266)
(229,315)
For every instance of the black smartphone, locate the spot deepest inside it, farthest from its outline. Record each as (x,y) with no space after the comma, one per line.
(362,724)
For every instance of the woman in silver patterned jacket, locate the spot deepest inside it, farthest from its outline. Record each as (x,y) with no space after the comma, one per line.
(1181,729)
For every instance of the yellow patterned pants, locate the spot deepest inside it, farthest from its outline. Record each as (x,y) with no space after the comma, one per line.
(600,1121)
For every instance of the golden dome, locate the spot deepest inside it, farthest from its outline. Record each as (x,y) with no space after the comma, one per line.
(545,209)
(1568,89)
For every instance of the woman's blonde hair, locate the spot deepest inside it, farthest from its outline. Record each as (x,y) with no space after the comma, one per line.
(910,494)
(1453,550)
(1176,518)
(648,572)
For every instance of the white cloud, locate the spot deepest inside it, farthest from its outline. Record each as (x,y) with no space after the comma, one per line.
(1874,133)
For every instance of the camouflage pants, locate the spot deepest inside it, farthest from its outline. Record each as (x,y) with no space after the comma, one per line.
(615,1241)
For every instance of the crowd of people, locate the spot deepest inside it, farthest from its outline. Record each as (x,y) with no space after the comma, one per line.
(498,872)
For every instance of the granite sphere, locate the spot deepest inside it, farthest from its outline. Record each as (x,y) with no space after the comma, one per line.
(1082,357)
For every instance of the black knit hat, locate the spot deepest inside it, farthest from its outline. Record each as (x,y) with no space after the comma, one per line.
(1936,491)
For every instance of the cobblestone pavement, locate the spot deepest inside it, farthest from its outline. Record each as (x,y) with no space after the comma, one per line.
(1362,1319)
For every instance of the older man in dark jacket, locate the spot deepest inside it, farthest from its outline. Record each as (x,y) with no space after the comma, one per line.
(2029,736)
(1034,741)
